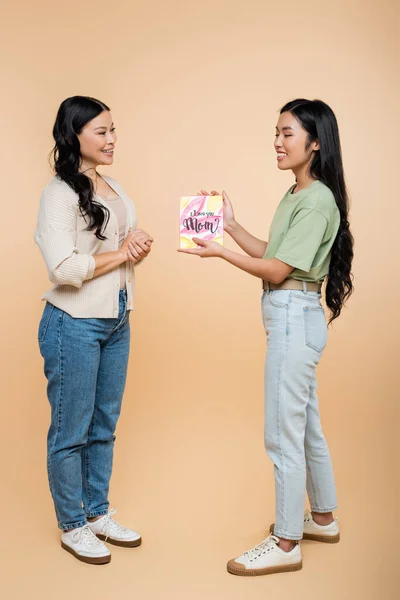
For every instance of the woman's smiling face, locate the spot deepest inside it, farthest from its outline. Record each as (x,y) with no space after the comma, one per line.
(291,144)
(97,140)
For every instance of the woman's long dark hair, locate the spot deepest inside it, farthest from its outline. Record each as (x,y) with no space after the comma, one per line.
(74,113)
(318,119)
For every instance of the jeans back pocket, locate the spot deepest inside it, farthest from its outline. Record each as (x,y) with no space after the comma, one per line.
(316,331)
(44,321)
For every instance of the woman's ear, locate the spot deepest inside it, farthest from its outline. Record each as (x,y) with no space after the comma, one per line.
(316,145)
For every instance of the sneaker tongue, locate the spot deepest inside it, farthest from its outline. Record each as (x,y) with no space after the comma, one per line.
(274,538)
(89,537)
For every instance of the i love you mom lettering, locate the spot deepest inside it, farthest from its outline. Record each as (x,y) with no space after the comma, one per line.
(201,217)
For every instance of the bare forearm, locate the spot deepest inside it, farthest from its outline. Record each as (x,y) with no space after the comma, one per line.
(108,261)
(249,243)
(272,270)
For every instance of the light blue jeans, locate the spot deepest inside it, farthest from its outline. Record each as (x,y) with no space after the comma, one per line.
(85,362)
(296,331)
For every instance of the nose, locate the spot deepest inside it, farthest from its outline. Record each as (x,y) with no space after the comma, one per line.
(110,137)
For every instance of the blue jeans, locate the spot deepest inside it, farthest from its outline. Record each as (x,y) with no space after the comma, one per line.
(296,331)
(85,362)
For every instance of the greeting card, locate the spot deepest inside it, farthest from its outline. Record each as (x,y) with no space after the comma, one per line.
(202,217)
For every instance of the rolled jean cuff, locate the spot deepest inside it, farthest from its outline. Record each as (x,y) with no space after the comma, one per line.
(288,536)
(67,526)
(323,510)
(97,513)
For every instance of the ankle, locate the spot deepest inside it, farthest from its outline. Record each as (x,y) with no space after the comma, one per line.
(286,545)
(323,518)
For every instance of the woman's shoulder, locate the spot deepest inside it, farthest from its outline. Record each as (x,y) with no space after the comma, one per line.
(319,197)
(326,203)
(56,188)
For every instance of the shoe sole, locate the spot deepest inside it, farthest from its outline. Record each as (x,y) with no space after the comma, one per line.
(325,539)
(133,544)
(99,560)
(268,571)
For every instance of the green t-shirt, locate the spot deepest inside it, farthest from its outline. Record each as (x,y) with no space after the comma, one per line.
(303,230)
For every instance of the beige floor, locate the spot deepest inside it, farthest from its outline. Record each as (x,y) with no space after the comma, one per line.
(205,499)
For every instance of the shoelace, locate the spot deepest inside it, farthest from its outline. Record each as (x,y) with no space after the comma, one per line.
(110,525)
(86,536)
(308,516)
(268,544)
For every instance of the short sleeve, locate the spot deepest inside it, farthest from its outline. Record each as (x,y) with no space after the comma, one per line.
(303,239)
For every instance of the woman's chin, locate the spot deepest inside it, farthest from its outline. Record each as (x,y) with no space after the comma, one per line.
(283,167)
(107,161)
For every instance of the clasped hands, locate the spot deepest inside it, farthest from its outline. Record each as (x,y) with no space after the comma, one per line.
(137,245)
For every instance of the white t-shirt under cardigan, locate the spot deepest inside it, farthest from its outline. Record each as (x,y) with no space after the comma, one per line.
(68,248)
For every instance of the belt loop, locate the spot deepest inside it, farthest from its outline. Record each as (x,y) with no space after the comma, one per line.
(267,287)
(305,287)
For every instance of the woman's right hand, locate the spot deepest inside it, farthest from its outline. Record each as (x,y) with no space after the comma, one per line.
(137,245)
(229,215)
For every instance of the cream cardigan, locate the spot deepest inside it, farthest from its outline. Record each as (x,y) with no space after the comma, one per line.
(68,248)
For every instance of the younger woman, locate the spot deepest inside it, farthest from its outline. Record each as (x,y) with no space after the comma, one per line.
(309,243)
(87,234)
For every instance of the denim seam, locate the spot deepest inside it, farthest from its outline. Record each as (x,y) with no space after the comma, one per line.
(76,525)
(306,328)
(96,513)
(311,481)
(279,395)
(323,510)
(307,466)
(262,308)
(46,324)
(280,533)
(314,299)
(121,322)
(59,405)
(275,304)
(86,474)
(119,325)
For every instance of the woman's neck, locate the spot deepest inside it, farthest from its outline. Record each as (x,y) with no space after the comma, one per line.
(89,170)
(303,178)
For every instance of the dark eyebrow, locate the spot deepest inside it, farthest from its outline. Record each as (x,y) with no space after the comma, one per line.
(103,127)
(283,128)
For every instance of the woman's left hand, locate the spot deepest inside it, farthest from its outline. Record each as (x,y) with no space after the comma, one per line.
(205,249)
(138,249)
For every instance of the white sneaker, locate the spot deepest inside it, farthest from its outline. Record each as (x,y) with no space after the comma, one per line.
(266,558)
(85,546)
(318,533)
(107,529)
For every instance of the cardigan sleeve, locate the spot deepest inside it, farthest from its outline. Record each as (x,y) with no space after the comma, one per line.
(56,237)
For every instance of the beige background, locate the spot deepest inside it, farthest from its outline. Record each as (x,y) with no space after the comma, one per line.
(195,90)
